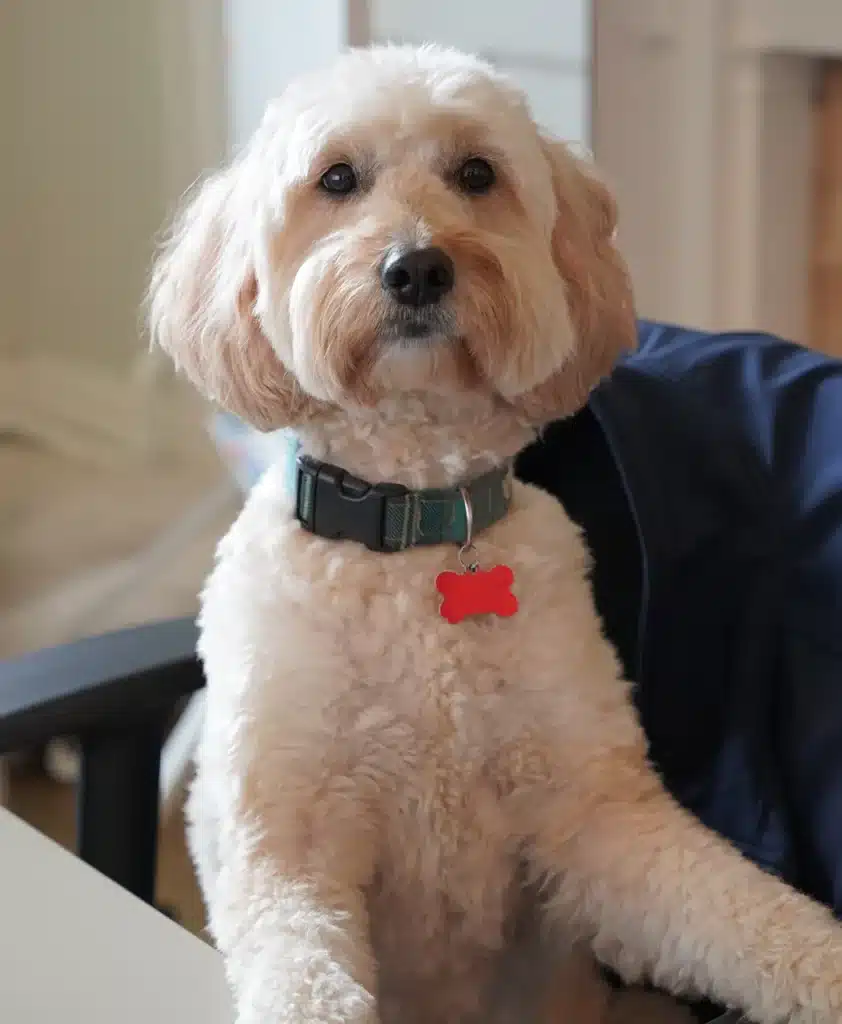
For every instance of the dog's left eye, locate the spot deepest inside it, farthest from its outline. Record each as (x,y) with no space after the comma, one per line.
(475,176)
(340,179)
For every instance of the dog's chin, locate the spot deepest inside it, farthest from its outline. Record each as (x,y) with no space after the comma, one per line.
(419,358)
(418,334)
(416,328)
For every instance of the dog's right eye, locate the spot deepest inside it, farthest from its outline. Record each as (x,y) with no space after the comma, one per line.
(340,179)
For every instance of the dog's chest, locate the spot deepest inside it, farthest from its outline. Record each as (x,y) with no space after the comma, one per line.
(448,830)
(432,712)
(447,885)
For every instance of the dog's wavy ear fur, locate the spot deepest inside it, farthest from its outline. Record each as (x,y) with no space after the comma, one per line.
(201,309)
(596,280)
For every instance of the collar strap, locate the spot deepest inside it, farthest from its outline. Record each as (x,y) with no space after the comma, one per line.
(388,517)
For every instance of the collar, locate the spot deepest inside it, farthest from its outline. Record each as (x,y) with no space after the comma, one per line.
(389,517)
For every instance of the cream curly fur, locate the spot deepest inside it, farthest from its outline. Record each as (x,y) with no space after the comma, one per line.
(396,819)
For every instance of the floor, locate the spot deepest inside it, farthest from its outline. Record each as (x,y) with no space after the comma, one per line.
(86,548)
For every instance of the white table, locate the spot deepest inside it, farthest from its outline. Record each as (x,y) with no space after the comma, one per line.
(77,949)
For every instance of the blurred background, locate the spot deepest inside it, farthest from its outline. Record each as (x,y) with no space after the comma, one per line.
(717,122)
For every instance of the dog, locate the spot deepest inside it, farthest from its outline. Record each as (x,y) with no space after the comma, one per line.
(400,815)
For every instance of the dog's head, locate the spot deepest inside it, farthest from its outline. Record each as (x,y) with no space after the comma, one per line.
(396,224)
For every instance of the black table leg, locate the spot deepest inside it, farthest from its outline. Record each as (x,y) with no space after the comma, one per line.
(117,809)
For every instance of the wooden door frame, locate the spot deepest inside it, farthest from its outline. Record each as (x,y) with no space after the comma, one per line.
(702,121)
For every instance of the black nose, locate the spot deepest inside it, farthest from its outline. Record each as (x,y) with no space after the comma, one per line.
(418,277)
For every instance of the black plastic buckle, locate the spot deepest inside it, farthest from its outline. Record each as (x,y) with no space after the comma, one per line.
(343,507)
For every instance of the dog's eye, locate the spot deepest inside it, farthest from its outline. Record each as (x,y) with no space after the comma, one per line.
(340,179)
(475,176)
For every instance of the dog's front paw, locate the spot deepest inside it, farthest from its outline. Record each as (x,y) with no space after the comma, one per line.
(309,1013)
(302,994)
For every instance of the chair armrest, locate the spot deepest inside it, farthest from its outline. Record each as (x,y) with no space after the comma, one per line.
(98,683)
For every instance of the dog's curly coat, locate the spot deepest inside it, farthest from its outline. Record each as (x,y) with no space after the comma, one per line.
(388,807)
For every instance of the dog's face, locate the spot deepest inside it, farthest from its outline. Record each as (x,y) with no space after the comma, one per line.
(396,224)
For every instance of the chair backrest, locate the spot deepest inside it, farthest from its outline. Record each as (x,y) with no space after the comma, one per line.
(117,694)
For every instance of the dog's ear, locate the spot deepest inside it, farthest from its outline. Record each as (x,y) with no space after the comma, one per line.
(596,281)
(201,307)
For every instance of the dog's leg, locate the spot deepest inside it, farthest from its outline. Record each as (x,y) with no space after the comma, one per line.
(295,943)
(287,910)
(662,896)
(202,833)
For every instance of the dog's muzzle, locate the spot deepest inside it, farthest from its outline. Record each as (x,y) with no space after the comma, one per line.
(418,277)
(417,281)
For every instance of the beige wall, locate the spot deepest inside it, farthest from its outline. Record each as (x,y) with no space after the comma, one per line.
(108,110)
(703,123)
(543,44)
(9,263)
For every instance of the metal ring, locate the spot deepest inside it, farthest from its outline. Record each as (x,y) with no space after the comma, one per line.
(468,558)
(469,518)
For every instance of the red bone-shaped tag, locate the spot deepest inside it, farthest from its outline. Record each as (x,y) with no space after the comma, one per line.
(478,592)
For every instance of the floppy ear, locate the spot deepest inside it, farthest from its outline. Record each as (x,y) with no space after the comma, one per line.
(597,283)
(201,306)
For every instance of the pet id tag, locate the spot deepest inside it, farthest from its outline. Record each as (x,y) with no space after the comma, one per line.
(475,591)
